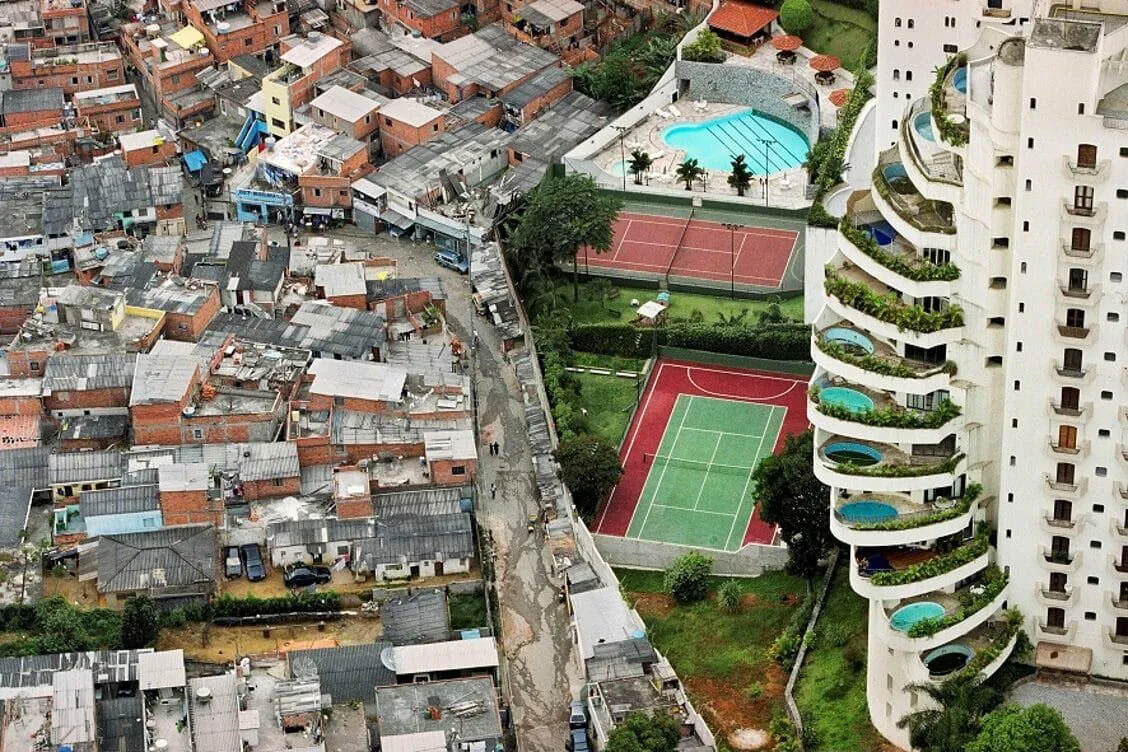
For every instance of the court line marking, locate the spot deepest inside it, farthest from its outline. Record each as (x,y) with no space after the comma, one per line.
(691,511)
(724,433)
(662,475)
(622,239)
(709,223)
(725,395)
(690,273)
(763,377)
(771,415)
(641,415)
(707,471)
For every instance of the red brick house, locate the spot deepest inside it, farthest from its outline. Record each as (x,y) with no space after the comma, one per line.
(489,62)
(163,385)
(75,385)
(71,68)
(405,123)
(249,28)
(146,148)
(347,112)
(184,495)
(434,19)
(113,109)
(361,386)
(452,457)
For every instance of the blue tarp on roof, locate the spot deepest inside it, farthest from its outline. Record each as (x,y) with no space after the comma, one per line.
(195,160)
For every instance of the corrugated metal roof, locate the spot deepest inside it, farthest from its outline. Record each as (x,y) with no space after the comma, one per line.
(121,500)
(414,539)
(79,373)
(348,674)
(268,461)
(452,655)
(175,557)
(36,671)
(163,377)
(416,618)
(84,467)
(161,670)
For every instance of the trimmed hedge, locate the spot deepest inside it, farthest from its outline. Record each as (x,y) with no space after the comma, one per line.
(898,417)
(994,582)
(920,271)
(818,216)
(900,471)
(889,308)
(986,656)
(942,564)
(949,131)
(875,364)
(327,600)
(971,493)
(771,341)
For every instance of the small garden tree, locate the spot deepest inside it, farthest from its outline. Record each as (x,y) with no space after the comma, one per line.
(590,468)
(740,177)
(1038,728)
(690,171)
(688,579)
(792,497)
(952,721)
(140,622)
(705,49)
(729,595)
(796,16)
(641,732)
(639,163)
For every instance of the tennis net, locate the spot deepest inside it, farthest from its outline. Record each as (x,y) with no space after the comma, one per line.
(703,467)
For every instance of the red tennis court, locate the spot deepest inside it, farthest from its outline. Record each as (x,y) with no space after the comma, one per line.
(696,249)
(671,379)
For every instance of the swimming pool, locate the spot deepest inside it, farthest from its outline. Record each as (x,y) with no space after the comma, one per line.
(906,616)
(959,81)
(851,399)
(851,339)
(620,168)
(866,511)
(947,659)
(852,452)
(882,232)
(713,143)
(923,125)
(898,178)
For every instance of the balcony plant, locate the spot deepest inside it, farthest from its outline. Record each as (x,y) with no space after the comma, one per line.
(900,471)
(894,417)
(877,364)
(993,582)
(889,308)
(918,270)
(908,522)
(934,567)
(949,131)
(988,655)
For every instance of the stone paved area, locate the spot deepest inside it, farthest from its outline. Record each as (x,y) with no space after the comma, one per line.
(1097,714)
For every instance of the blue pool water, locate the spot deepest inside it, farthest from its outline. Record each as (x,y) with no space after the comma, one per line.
(867,511)
(713,143)
(851,399)
(850,338)
(853,452)
(959,81)
(882,232)
(948,659)
(906,616)
(894,171)
(619,169)
(923,125)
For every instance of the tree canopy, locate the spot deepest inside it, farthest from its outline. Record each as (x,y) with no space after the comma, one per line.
(1038,728)
(687,580)
(955,716)
(705,49)
(796,16)
(792,497)
(140,622)
(590,468)
(639,732)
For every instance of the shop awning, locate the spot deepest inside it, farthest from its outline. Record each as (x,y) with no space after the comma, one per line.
(395,218)
(188,37)
(195,160)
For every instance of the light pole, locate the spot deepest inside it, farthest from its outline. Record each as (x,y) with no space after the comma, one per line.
(732,228)
(622,131)
(767,142)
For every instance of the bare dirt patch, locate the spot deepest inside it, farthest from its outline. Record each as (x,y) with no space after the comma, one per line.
(657,605)
(733,713)
(749,739)
(212,644)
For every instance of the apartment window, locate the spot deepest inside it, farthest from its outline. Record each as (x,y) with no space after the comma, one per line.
(1017,385)
(1022,269)
(111,74)
(1083,198)
(1090,616)
(1106,396)
(387,121)
(1058,581)
(896,74)
(276,100)
(1078,280)
(910,23)
(1086,155)
(951,49)
(1017,348)
(33,366)
(1067,437)
(1094,544)
(1115,276)
(277,123)
(1072,359)
(1118,235)
(1092,580)
(908,76)
(247,42)
(1065,473)
(458,470)
(1026,226)
(198,434)
(1070,398)
(1033,103)
(1075,317)
(1030,143)
(1110,357)
(1080,108)
(1055,618)
(1063,510)
(435,127)
(317,192)
(1080,238)
(1102,433)
(1122,192)
(276,481)
(897,23)
(1113,316)
(1059,548)
(1100,472)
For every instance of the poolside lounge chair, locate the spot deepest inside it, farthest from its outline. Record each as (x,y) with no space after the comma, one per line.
(662,113)
(674,109)
(701,105)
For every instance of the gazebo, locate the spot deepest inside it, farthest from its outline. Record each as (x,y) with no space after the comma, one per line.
(786,46)
(824,66)
(741,23)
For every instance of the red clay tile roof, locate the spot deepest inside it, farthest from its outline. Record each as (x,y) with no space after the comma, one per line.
(741,19)
(19,431)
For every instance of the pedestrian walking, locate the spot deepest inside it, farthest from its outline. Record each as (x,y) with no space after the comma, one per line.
(493,490)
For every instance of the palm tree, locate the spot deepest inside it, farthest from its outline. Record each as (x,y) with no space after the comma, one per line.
(741,176)
(689,171)
(639,163)
(954,718)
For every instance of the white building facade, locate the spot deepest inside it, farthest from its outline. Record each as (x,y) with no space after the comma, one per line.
(968,400)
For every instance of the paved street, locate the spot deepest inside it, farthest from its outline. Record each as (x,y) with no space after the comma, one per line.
(1096,713)
(540,675)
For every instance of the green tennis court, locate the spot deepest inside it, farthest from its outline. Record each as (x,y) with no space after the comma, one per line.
(698,488)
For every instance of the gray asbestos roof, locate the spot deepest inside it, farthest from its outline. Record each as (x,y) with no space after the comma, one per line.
(382,289)
(29,672)
(399,708)
(96,192)
(537,86)
(21,472)
(119,722)
(416,618)
(416,171)
(121,500)
(428,8)
(348,674)
(343,331)
(565,124)
(268,461)
(422,502)
(84,467)
(163,377)
(32,100)
(166,184)
(417,538)
(81,373)
(95,427)
(174,557)
(493,59)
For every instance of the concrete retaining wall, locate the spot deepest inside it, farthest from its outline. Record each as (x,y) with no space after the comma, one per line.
(737,84)
(750,561)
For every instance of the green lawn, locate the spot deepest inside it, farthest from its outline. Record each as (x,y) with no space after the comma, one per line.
(840,31)
(682,305)
(467,611)
(831,691)
(608,400)
(721,655)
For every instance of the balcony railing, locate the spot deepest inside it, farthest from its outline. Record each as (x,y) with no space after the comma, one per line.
(1119,639)
(1120,566)
(1059,557)
(1119,603)
(1058,522)
(1082,253)
(1054,630)
(1070,372)
(1082,293)
(1073,332)
(1057,595)
(1079,211)
(1070,412)
(1076,170)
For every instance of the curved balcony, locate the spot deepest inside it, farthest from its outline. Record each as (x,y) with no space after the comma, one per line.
(885,421)
(1089,174)
(911,214)
(1086,257)
(1073,490)
(910,572)
(892,260)
(895,520)
(854,355)
(964,610)
(934,168)
(1056,526)
(1086,216)
(853,295)
(1048,633)
(990,644)
(847,462)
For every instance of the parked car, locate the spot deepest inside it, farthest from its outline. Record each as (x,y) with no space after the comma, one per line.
(252,559)
(577,716)
(452,260)
(578,741)
(306,576)
(232,564)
